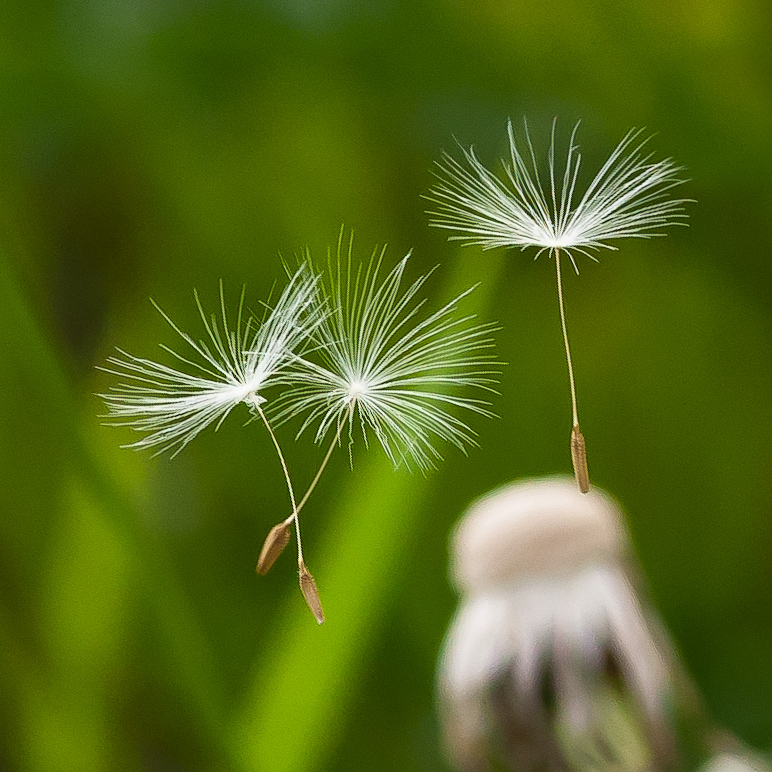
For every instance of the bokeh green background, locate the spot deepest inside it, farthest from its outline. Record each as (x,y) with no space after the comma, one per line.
(148,147)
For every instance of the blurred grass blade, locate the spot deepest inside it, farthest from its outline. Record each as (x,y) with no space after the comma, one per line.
(49,403)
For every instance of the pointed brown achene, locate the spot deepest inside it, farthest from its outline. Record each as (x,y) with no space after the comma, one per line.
(311,593)
(277,539)
(579,460)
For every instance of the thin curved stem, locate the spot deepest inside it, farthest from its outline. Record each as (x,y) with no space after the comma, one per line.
(578,446)
(574,412)
(327,456)
(294,515)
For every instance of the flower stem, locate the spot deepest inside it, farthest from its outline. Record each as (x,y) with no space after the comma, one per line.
(578,450)
(334,442)
(294,515)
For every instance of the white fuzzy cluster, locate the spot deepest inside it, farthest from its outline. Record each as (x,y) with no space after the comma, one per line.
(172,406)
(384,363)
(354,345)
(628,197)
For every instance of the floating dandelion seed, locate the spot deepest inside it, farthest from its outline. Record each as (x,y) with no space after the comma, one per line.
(354,347)
(384,363)
(628,197)
(173,406)
(376,359)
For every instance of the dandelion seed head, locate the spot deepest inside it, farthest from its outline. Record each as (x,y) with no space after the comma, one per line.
(547,600)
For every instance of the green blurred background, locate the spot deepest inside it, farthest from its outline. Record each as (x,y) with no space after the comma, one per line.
(148,147)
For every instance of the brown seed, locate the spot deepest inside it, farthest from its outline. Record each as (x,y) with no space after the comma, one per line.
(310,593)
(277,539)
(579,459)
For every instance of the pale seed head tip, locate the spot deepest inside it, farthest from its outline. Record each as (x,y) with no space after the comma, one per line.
(277,539)
(311,593)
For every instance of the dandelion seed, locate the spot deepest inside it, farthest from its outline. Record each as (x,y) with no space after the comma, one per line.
(234,365)
(384,363)
(629,197)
